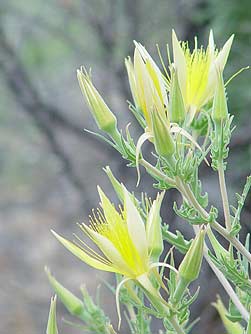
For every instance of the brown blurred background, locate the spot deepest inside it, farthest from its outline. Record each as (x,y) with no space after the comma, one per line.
(49,167)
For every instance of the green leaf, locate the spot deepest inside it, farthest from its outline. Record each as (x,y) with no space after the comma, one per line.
(240,203)
(176,240)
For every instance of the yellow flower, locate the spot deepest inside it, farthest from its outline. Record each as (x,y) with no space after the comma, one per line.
(147,84)
(124,241)
(197,70)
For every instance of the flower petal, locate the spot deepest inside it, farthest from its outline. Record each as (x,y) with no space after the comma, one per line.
(136,227)
(211,45)
(83,256)
(217,65)
(221,59)
(179,62)
(109,250)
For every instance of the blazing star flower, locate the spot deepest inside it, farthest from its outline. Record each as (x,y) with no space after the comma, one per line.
(123,239)
(197,70)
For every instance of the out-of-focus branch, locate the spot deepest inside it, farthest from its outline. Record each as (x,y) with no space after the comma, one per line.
(45,117)
(242,139)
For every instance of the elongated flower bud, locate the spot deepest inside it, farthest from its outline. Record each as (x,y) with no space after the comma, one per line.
(52,321)
(220,110)
(189,268)
(176,104)
(105,119)
(163,141)
(153,229)
(231,327)
(73,304)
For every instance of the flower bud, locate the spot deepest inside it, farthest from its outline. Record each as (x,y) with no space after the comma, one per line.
(219,110)
(163,140)
(52,321)
(73,304)
(153,229)
(105,119)
(189,268)
(176,103)
(231,327)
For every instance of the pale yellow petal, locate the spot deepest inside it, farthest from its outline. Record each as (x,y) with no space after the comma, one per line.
(136,227)
(110,212)
(179,63)
(222,57)
(109,250)
(83,256)
(211,45)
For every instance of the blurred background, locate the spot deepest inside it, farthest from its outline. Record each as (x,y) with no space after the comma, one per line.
(49,167)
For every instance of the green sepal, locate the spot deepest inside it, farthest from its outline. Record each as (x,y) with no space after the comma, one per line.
(52,321)
(73,304)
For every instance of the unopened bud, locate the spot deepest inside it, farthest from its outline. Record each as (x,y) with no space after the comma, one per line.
(52,321)
(220,110)
(163,140)
(105,119)
(189,268)
(176,103)
(153,229)
(73,304)
(231,327)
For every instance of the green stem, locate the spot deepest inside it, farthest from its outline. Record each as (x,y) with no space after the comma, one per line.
(224,196)
(154,171)
(189,195)
(174,322)
(215,225)
(224,282)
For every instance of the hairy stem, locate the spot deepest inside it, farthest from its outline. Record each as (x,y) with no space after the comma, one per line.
(224,197)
